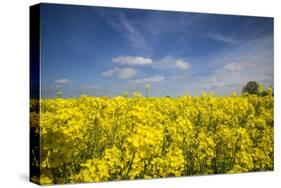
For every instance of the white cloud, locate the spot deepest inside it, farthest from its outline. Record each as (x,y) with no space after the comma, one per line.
(132,60)
(155,78)
(166,63)
(181,64)
(62,81)
(211,80)
(110,72)
(126,73)
(122,73)
(90,86)
(170,62)
(253,60)
(233,67)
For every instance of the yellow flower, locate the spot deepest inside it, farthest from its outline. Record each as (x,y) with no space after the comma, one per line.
(89,139)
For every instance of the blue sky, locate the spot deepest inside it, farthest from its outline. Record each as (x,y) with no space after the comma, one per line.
(107,51)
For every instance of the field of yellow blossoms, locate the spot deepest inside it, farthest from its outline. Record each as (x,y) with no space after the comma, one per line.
(92,139)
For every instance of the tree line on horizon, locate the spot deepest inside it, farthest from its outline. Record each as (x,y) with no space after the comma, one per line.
(252,88)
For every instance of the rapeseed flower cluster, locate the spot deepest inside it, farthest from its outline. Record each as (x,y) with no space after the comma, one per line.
(92,139)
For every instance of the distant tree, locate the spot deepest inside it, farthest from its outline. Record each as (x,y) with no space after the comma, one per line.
(59,94)
(252,87)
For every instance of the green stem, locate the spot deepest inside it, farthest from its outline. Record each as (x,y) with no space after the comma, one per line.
(130,165)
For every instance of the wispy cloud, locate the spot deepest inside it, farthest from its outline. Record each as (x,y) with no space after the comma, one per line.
(253,60)
(155,78)
(132,33)
(222,38)
(161,23)
(122,73)
(125,27)
(132,60)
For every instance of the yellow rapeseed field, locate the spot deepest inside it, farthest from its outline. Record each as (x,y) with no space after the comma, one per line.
(96,139)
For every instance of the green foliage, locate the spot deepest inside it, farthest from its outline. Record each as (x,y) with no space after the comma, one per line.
(267,92)
(59,94)
(252,87)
